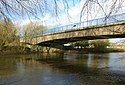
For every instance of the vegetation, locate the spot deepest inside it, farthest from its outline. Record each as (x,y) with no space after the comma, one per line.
(95,46)
(8,34)
(100,45)
(82,44)
(33,29)
(10,41)
(30,8)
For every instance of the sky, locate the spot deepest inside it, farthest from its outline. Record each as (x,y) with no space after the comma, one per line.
(49,18)
(72,13)
(69,11)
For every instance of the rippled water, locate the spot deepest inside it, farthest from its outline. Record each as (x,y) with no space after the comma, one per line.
(63,69)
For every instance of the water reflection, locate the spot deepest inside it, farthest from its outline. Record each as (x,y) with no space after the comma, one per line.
(89,60)
(63,69)
(8,65)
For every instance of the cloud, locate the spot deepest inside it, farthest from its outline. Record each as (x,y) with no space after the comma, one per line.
(72,14)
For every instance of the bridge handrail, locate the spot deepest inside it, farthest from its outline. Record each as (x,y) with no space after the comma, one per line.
(84,24)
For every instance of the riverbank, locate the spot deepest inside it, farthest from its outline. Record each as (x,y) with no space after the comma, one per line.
(8,50)
(21,50)
(90,50)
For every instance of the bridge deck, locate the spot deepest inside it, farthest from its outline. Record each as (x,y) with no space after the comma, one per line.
(111,29)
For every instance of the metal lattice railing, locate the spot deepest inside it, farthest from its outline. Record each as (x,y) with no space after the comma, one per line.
(94,22)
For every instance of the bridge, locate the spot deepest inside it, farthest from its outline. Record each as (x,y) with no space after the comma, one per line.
(101,28)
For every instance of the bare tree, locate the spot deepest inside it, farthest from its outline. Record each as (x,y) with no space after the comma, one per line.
(7,33)
(33,29)
(103,7)
(12,8)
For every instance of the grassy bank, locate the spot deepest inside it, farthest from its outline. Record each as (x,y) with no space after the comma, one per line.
(21,50)
(14,50)
(7,50)
(91,50)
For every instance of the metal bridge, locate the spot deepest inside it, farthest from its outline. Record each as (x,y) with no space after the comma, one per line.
(84,24)
(101,28)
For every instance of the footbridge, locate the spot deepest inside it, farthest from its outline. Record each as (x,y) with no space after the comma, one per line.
(101,28)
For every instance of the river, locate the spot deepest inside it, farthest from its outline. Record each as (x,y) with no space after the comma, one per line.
(63,69)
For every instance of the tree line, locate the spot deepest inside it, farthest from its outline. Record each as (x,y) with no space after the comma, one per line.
(94,45)
(10,38)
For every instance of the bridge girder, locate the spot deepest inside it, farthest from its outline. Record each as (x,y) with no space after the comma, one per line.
(116,30)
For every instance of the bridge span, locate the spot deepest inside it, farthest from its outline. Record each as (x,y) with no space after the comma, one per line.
(102,28)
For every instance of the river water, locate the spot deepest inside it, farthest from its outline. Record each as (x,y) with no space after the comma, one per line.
(63,69)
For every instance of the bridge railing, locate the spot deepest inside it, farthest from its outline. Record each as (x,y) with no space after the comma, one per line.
(84,24)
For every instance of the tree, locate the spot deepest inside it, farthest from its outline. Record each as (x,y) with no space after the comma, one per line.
(100,45)
(82,44)
(32,30)
(8,8)
(8,33)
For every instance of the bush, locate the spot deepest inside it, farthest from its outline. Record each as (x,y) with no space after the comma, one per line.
(100,45)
